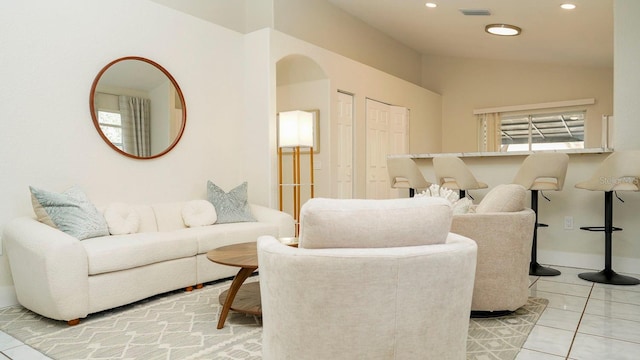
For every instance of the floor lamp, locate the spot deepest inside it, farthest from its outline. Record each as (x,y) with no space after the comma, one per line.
(295,131)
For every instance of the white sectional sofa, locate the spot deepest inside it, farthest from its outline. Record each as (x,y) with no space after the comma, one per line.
(63,278)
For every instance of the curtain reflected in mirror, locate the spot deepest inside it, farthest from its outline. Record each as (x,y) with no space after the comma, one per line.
(136,123)
(137,108)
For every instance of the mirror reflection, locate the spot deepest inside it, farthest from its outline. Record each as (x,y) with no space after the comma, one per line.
(137,108)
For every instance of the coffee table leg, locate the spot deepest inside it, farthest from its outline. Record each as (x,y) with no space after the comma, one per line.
(242,275)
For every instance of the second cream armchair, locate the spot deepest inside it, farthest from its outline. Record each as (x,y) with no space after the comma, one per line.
(502,228)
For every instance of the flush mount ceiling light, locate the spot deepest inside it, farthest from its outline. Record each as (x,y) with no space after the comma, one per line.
(568,6)
(502,29)
(431,5)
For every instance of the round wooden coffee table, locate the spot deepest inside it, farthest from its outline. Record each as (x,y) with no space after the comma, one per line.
(242,298)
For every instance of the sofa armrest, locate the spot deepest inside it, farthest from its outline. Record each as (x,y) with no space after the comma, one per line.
(49,269)
(285,222)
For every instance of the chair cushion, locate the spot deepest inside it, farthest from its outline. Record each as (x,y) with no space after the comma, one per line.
(356,223)
(503,198)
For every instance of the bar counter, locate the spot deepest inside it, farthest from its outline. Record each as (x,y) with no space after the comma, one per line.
(499,153)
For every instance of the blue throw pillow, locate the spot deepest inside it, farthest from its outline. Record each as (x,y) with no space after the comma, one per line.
(70,211)
(230,207)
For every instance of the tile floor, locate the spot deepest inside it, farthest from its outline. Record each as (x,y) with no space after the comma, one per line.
(583,321)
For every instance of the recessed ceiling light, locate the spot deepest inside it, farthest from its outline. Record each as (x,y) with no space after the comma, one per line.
(503,29)
(568,6)
(431,5)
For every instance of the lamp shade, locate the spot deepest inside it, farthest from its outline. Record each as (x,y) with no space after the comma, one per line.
(295,129)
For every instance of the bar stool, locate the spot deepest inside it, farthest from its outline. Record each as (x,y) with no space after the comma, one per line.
(404,174)
(620,171)
(452,173)
(541,172)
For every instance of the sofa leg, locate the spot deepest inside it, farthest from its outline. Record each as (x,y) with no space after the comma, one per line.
(189,288)
(199,286)
(73,322)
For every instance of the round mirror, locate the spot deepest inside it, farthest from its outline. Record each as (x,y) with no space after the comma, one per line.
(137,107)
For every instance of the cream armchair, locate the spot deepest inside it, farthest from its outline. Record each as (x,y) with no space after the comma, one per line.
(372,279)
(503,229)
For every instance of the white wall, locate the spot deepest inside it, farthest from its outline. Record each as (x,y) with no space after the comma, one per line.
(626,74)
(576,247)
(365,82)
(470,84)
(51,52)
(321,23)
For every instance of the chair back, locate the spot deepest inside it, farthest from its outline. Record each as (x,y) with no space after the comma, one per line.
(543,171)
(369,223)
(453,173)
(619,171)
(405,174)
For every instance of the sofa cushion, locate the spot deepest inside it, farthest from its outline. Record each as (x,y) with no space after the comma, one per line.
(169,216)
(147,216)
(121,219)
(121,252)
(198,213)
(355,223)
(232,206)
(503,198)
(70,211)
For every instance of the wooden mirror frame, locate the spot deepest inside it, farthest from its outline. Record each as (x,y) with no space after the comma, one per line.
(94,110)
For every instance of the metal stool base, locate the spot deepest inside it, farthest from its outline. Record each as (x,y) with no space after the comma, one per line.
(536,269)
(609,277)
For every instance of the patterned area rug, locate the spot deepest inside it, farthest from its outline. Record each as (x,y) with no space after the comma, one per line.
(501,338)
(182,325)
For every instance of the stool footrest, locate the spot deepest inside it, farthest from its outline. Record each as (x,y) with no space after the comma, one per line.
(599,228)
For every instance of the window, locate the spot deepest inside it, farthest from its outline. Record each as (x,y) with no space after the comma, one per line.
(550,131)
(111,126)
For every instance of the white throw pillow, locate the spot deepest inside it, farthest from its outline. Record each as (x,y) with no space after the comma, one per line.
(198,213)
(121,219)
(503,198)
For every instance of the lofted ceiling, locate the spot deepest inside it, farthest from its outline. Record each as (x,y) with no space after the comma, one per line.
(583,36)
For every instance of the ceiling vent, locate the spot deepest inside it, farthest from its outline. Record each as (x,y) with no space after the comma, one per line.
(475,12)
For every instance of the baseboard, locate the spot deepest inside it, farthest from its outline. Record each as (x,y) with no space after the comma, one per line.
(7,296)
(588,261)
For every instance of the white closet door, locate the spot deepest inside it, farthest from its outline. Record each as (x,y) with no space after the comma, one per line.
(387,133)
(399,137)
(344,124)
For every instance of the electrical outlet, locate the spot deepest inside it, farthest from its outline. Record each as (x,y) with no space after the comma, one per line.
(568,222)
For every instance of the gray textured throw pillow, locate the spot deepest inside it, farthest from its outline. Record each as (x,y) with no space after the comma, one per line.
(230,207)
(70,211)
